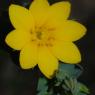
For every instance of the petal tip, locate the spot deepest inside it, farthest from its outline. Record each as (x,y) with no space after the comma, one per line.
(84,30)
(25,66)
(11,6)
(6,40)
(78,60)
(67,3)
(52,75)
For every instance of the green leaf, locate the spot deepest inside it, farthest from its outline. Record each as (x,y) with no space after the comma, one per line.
(64,71)
(42,84)
(75,87)
(66,78)
(81,93)
(68,70)
(44,93)
(65,87)
(83,88)
(58,83)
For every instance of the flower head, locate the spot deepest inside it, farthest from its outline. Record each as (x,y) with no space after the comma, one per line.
(44,35)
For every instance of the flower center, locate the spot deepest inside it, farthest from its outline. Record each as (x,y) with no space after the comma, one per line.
(39,35)
(43,36)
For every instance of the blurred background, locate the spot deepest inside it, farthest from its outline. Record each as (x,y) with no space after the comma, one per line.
(14,80)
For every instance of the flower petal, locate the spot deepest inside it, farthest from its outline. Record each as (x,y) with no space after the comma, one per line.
(39,9)
(59,11)
(17,39)
(21,17)
(70,31)
(28,56)
(66,52)
(47,63)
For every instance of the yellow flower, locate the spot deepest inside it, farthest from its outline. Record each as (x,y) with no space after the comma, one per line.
(44,35)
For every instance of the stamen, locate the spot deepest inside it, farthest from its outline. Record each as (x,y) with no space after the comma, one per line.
(49,44)
(51,29)
(40,44)
(39,35)
(31,32)
(33,40)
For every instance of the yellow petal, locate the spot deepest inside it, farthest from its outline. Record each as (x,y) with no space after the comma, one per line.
(47,63)
(59,11)
(39,9)
(70,31)
(21,17)
(66,52)
(28,56)
(17,39)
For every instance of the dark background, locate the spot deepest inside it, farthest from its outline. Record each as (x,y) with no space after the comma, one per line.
(14,80)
